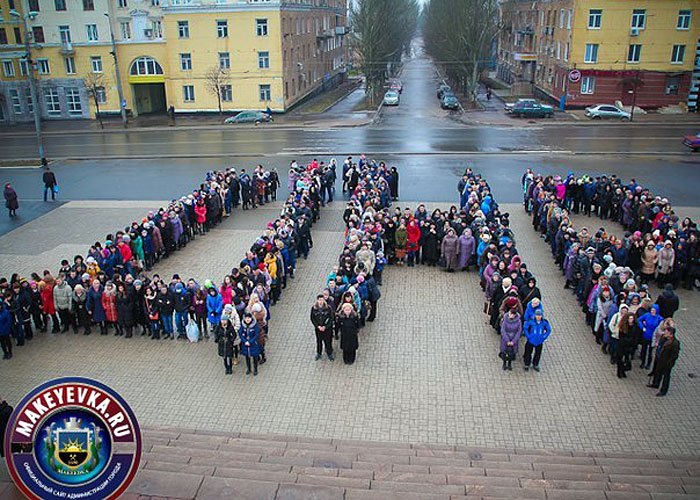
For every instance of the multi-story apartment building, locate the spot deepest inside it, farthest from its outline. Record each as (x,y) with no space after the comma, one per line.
(583,52)
(272,53)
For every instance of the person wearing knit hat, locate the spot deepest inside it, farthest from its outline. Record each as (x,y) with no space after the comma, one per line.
(537,330)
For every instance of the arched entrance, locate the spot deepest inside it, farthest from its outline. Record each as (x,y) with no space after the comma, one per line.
(148,85)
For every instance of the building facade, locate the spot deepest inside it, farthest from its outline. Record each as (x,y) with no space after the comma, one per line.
(258,54)
(641,51)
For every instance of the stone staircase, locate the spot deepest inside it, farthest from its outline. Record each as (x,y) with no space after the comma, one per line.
(185,464)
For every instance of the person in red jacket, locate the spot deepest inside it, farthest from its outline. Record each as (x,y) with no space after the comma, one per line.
(47,306)
(200,210)
(412,244)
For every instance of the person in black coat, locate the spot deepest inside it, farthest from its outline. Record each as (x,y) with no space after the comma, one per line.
(11,200)
(431,252)
(5,412)
(50,183)
(668,355)
(225,337)
(668,302)
(125,312)
(348,325)
(322,319)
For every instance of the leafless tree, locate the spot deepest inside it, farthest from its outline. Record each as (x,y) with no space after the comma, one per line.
(95,84)
(216,78)
(459,34)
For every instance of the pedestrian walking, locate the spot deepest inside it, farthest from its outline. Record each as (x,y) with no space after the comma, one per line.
(537,331)
(11,200)
(171,114)
(50,184)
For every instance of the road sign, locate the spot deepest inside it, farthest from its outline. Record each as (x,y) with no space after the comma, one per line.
(574,75)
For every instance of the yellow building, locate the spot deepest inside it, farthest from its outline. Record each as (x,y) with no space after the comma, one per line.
(258,55)
(602,51)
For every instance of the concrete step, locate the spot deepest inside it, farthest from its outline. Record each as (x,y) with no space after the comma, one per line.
(185,464)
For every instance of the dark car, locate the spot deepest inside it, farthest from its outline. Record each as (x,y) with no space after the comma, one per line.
(692,141)
(532,110)
(442,89)
(449,101)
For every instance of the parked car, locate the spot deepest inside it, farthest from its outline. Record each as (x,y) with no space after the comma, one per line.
(249,117)
(442,89)
(692,141)
(600,111)
(396,85)
(508,107)
(391,98)
(449,101)
(532,110)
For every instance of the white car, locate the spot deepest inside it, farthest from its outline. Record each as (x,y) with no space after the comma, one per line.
(391,98)
(600,111)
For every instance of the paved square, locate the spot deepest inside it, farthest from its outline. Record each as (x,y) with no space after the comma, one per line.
(427,369)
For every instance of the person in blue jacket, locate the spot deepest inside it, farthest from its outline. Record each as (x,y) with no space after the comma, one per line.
(5,330)
(215,305)
(536,331)
(250,346)
(647,324)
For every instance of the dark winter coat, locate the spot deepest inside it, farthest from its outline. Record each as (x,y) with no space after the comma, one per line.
(250,334)
(225,337)
(348,326)
(94,305)
(11,200)
(125,310)
(668,303)
(669,354)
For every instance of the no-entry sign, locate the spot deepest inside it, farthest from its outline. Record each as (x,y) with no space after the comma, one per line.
(574,75)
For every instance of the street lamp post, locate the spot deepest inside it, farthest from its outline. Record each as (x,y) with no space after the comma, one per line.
(32,84)
(120,91)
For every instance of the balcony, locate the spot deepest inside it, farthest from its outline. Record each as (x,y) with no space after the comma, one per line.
(67,48)
(329,33)
(341,30)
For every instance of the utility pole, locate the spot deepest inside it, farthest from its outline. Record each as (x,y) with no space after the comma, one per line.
(32,85)
(120,91)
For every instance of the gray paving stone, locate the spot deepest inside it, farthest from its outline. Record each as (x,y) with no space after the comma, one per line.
(165,484)
(308,492)
(220,488)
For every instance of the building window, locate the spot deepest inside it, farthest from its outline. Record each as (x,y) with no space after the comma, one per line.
(683,20)
(88,5)
(64,32)
(634,53)
(157,27)
(188,93)
(261,27)
(222,29)
(125,30)
(18,36)
(677,54)
(639,17)
(44,68)
(595,18)
(183,29)
(75,107)
(186,61)
(561,18)
(101,95)
(53,106)
(226,93)
(34,6)
(265,93)
(16,103)
(123,4)
(91,32)
(568,19)
(3,36)
(145,66)
(9,68)
(588,84)
(263,60)
(96,64)
(23,67)
(28,98)
(38,34)
(60,4)
(224,60)
(70,65)
(558,49)
(566,52)
(591,55)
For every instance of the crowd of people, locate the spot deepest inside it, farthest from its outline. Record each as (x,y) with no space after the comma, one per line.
(611,275)
(109,289)
(474,236)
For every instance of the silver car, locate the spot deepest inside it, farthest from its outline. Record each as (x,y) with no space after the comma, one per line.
(600,111)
